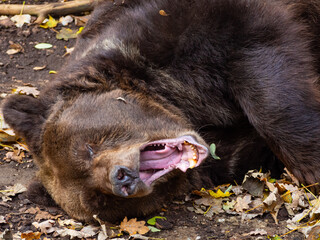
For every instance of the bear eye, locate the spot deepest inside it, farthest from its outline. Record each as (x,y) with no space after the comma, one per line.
(90,150)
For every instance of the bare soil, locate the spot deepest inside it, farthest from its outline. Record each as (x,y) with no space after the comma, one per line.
(17,70)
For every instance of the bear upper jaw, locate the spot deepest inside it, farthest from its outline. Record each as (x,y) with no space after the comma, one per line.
(160,157)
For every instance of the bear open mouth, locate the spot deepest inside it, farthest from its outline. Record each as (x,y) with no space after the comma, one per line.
(160,157)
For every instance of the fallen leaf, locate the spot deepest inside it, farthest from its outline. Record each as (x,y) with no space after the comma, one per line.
(6,22)
(228,205)
(7,234)
(31,235)
(21,19)
(70,223)
(14,48)
(242,203)
(26,91)
(43,46)
(65,20)
(40,215)
(106,232)
(16,155)
(68,51)
(46,226)
(5,137)
(32,210)
(215,208)
(11,191)
(152,221)
(237,190)
(253,184)
(205,200)
(273,204)
(80,30)
(133,226)
(86,232)
(52,72)
(2,219)
(66,33)
(154,229)
(39,68)
(314,233)
(49,23)
(219,194)
(213,151)
(256,232)
(81,20)
(12,51)
(293,178)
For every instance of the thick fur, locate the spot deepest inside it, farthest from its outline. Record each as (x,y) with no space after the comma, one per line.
(239,73)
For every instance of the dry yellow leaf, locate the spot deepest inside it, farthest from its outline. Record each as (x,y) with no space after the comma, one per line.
(133,226)
(51,23)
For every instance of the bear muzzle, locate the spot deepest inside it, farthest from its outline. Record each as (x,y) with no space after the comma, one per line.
(125,182)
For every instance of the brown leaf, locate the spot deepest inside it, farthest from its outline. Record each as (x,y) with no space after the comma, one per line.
(243,203)
(14,48)
(315,233)
(16,155)
(273,204)
(6,22)
(81,20)
(133,226)
(31,235)
(41,214)
(293,178)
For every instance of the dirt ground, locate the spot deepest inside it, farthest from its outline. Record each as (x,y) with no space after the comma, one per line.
(17,70)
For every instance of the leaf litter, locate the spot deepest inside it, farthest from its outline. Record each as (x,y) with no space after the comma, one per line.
(260,194)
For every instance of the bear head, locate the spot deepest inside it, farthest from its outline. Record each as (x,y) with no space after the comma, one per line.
(97,150)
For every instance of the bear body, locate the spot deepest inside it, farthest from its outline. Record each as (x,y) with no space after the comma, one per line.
(152,83)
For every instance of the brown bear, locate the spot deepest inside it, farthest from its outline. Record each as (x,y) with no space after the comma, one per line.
(151,83)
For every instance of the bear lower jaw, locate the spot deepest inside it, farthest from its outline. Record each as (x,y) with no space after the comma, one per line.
(160,157)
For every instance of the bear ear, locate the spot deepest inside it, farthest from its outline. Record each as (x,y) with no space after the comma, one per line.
(25,115)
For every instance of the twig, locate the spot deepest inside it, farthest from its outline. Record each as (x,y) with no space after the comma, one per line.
(60,8)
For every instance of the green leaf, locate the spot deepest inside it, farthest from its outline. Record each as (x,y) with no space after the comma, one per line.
(272,180)
(43,46)
(213,151)
(154,229)
(152,221)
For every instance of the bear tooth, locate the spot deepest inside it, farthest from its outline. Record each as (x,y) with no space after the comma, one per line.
(192,163)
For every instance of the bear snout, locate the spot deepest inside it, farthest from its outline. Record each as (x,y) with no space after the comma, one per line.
(124,181)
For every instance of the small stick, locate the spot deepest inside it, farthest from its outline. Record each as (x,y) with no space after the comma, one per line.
(59,8)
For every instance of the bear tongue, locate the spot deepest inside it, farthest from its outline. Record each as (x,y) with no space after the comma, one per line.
(159,159)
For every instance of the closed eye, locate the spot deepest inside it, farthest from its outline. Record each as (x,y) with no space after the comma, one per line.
(90,150)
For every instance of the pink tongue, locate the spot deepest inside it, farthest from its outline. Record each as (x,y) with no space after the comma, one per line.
(159,159)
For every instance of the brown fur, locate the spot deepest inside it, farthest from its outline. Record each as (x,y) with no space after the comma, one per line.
(239,73)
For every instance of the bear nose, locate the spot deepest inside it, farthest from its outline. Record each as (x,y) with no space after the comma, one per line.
(124,181)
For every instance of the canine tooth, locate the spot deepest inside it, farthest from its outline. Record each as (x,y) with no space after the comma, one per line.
(192,163)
